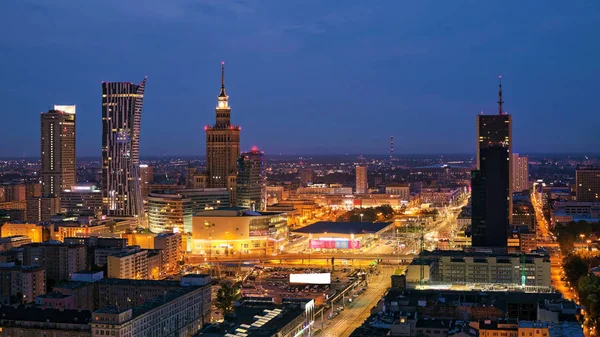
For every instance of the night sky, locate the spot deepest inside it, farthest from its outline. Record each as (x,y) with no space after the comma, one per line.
(310,77)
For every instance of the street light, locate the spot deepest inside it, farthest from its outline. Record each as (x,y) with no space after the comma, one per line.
(361,217)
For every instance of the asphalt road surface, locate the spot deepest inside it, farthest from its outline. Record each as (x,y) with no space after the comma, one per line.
(359,310)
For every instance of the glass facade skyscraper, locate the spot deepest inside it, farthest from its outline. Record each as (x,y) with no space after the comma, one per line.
(121,117)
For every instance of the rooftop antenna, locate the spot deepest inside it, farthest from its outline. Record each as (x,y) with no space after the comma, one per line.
(500,101)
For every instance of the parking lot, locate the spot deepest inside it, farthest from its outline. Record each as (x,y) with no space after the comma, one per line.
(275,282)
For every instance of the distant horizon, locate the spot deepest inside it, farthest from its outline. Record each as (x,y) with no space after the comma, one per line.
(376,155)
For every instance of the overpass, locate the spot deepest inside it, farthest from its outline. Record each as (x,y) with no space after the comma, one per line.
(395,258)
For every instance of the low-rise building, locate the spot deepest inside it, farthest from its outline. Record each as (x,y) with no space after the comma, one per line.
(238,230)
(457,267)
(400,190)
(56,300)
(25,321)
(181,312)
(257,316)
(33,231)
(10,242)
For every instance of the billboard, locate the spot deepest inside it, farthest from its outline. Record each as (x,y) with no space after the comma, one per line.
(334,244)
(322,278)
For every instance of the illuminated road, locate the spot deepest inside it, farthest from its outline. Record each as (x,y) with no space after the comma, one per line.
(359,310)
(314,257)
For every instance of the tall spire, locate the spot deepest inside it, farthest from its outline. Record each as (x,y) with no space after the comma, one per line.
(500,101)
(222,93)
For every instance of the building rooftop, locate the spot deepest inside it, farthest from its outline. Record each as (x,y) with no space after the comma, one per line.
(22,313)
(255,317)
(139,283)
(160,300)
(343,227)
(54,295)
(72,285)
(233,212)
(498,299)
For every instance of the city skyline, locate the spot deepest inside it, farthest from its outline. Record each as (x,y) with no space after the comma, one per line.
(287,82)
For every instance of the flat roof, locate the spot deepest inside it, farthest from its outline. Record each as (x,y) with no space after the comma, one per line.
(343,227)
(32,314)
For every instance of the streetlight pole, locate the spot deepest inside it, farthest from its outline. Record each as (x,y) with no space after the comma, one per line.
(361,217)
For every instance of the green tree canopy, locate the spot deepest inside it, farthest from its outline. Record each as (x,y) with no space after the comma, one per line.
(226,297)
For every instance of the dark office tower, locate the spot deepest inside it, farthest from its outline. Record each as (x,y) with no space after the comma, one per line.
(222,146)
(251,180)
(490,199)
(58,150)
(121,117)
(491,182)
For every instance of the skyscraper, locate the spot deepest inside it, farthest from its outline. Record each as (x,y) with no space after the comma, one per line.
(251,180)
(361,179)
(58,150)
(58,172)
(520,173)
(491,182)
(222,146)
(588,184)
(121,117)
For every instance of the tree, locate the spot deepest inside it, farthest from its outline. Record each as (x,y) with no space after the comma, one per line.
(575,268)
(588,288)
(226,297)
(566,242)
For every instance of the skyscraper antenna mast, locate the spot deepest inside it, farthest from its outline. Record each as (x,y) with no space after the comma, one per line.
(500,101)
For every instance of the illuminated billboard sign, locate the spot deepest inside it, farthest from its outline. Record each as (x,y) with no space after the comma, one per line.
(334,244)
(323,278)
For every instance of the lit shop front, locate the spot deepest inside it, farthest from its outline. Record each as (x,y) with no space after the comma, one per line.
(334,243)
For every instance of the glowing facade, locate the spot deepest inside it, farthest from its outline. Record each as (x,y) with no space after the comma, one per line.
(169,212)
(361,180)
(121,117)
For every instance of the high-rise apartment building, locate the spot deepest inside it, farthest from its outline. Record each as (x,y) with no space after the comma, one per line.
(222,147)
(306,176)
(588,184)
(361,180)
(59,260)
(58,150)
(121,118)
(491,182)
(146,178)
(58,171)
(251,180)
(520,172)
(20,284)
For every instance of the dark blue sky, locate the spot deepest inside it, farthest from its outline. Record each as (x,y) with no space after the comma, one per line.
(307,76)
